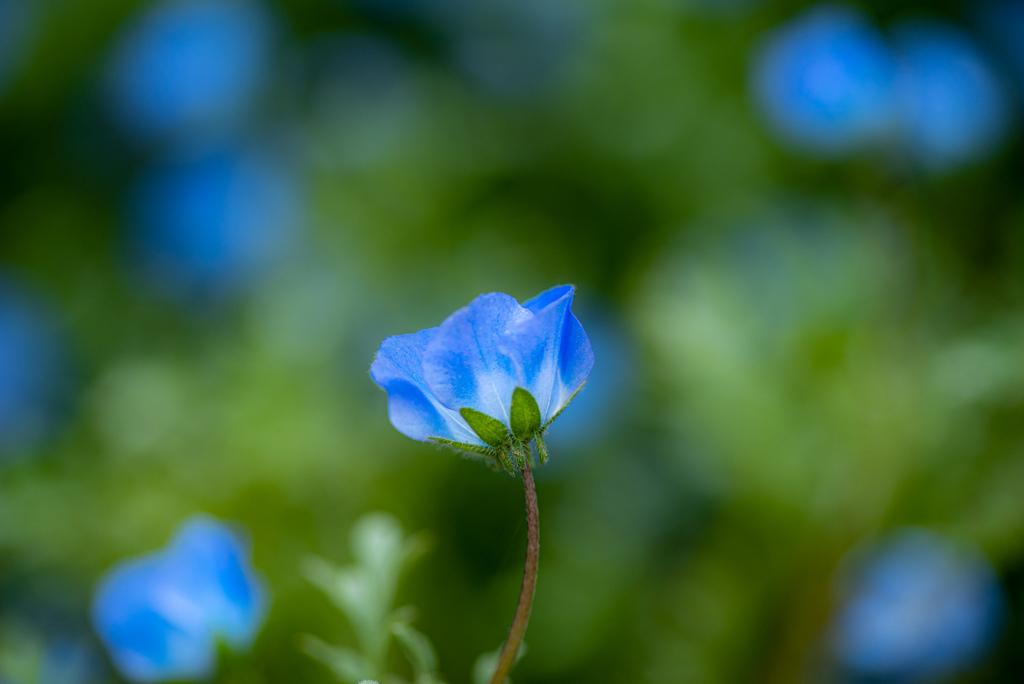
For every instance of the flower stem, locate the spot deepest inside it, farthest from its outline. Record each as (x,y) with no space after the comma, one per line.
(517,631)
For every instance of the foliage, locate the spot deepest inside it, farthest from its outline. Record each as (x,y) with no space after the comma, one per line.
(365,593)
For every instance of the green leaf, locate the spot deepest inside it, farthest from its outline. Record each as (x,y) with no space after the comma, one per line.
(328,578)
(418,649)
(353,591)
(380,545)
(569,401)
(491,430)
(347,665)
(525,415)
(365,590)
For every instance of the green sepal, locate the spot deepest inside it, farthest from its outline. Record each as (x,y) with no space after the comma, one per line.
(569,401)
(471,448)
(525,418)
(520,454)
(542,448)
(491,430)
(506,462)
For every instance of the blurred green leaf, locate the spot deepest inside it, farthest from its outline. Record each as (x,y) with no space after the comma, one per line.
(365,593)
(419,651)
(347,665)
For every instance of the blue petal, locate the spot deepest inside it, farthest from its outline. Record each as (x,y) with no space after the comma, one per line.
(151,626)
(825,81)
(190,67)
(920,607)
(548,297)
(412,407)
(955,107)
(162,614)
(550,351)
(33,371)
(464,364)
(209,556)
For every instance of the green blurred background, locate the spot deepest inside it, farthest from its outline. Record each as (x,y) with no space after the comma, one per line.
(797,352)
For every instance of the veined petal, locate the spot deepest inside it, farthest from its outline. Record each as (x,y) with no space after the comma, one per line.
(412,407)
(549,297)
(464,365)
(550,351)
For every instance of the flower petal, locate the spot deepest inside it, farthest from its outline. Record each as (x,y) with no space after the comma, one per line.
(161,615)
(150,624)
(550,352)
(412,407)
(464,365)
(217,565)
(549,297)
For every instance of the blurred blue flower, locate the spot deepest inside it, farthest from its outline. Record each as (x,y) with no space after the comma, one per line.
(825,81)
(918,608)
(477,358)
(954,108)
(33,371)
(186,66)
(16,29)
(209,227)
(162,615)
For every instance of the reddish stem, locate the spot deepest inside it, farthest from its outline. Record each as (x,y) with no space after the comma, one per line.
(517,631)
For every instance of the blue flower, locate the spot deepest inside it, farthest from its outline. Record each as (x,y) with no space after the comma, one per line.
(440,380)
(33,371)
(954,107)
(826,81)
(162,615)
(209,227)
(917,608)
(190,66)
